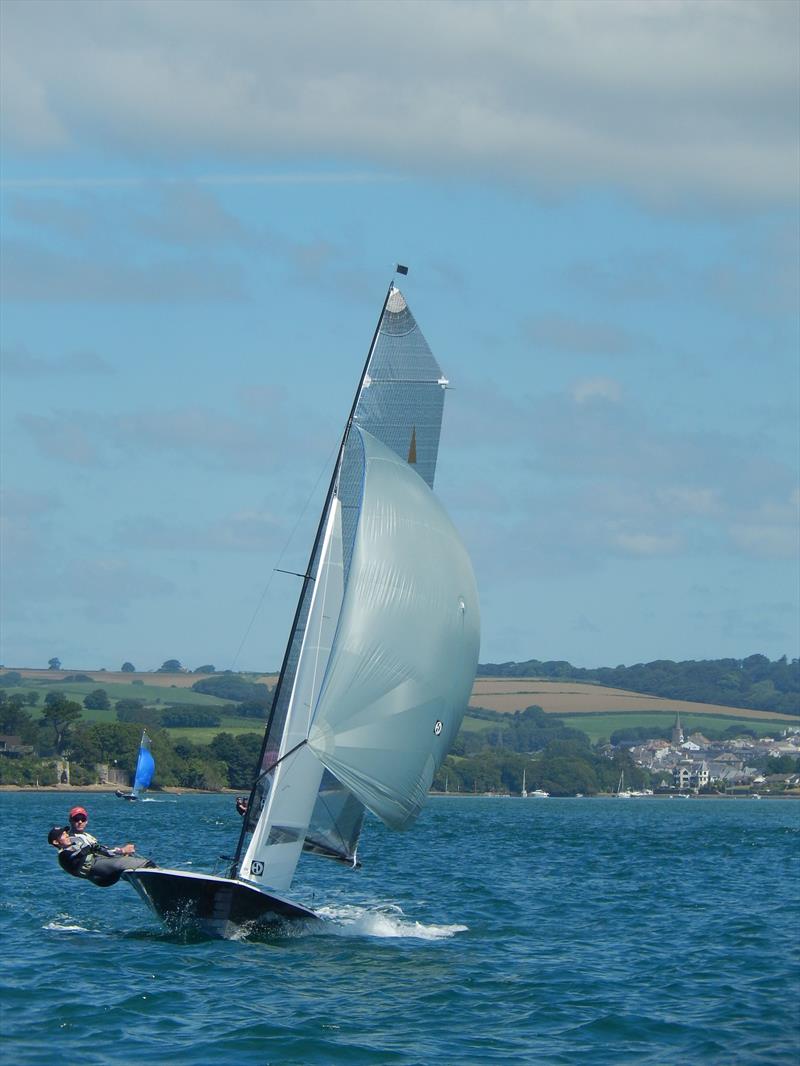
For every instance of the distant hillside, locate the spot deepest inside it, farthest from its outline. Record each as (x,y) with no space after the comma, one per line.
(575,698)
(184,679)
(107,677)
(755,682)
(738,688)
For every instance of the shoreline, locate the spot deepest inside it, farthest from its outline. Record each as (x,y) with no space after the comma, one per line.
(167,790)
(176,790)
(612,795)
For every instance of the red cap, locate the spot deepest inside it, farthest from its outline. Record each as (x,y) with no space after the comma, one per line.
(78,810)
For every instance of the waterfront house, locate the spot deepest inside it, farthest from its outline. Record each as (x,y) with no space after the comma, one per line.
(14,746)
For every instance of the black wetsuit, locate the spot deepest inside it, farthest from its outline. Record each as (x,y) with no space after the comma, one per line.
(97,864)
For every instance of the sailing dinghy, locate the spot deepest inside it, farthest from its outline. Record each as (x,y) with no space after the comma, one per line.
(145,768)
(380,659)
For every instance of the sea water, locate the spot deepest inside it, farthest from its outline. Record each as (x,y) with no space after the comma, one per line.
(572,931)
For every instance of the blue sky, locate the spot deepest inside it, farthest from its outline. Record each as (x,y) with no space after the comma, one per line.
(201,207)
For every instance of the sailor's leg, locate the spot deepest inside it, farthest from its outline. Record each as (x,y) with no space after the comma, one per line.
(133,862)
(108,869)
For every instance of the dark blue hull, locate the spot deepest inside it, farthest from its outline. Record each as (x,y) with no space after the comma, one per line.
(218,906)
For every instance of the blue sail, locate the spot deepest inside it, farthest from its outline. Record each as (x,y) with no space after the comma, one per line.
(145,766)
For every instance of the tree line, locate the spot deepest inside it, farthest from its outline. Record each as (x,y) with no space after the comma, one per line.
(492,758)
(754,682)
(553,757)
(61,733)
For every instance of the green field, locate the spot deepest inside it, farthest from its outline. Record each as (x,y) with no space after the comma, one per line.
(153,695)
(478,725)
(205,734)
(598,725)
(158,695)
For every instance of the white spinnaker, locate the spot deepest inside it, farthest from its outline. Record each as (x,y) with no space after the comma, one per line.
(276,843)
(403,662)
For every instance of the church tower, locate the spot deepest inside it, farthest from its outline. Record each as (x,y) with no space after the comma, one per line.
(677,731)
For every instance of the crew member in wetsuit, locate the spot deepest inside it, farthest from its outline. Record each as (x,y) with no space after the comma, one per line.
(100,865)
(78,818)
(78,834)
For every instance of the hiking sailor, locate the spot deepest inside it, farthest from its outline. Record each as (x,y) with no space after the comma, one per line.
(94,862)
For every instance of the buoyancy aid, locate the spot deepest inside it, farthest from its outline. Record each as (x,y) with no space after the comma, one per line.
(78,861)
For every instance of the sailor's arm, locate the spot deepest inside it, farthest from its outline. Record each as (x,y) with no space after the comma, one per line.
(124,849)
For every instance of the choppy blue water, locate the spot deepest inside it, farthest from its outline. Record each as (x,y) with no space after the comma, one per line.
(497,930)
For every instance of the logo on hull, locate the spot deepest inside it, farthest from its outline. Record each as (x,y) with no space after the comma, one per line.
(256,868)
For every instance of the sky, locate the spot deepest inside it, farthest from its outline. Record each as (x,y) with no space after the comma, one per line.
(201,208)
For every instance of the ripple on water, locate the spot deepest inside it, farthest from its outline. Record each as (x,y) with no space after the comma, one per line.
(495,931)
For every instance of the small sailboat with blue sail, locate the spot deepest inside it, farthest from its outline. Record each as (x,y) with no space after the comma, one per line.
(380,659)
(145,769)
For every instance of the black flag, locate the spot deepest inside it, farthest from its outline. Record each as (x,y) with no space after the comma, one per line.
(401,269)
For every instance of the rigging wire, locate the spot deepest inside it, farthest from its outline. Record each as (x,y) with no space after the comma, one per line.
(275,569)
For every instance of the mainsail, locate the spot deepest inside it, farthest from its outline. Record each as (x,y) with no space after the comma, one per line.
(400,402)
(383,649)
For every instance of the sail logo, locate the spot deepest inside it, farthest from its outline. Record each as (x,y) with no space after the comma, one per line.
(437,729)
(256,868)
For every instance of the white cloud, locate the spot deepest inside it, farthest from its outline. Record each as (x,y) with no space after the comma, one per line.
(25,519)
(35,273)
(602,480)
(18,362)
(757,274)
(108,582)
(197,434)
(190,215)
(766,541)
(648,544)
(584,390)
(244,531)
(689,500)
(669,99)
(63,438)
(770,530)
(562,334)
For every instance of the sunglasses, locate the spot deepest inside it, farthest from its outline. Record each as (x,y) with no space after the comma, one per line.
(79,818)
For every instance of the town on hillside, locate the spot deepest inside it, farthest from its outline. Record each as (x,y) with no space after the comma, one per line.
(696,763)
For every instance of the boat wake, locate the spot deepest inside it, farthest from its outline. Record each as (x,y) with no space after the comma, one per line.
(387,922)
(383,922)
(63,924)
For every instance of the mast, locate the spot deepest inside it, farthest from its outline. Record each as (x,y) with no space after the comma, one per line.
(307,579)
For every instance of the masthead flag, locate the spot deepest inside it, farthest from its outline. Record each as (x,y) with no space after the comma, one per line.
(401,269)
